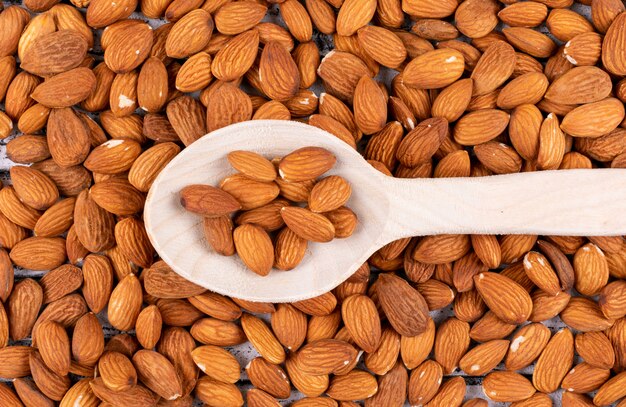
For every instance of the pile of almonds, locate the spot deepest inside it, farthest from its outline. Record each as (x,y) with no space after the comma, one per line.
(472,97)
(254,191)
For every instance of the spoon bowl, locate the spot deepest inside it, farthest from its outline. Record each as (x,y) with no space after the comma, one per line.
(178,237)
(578,202)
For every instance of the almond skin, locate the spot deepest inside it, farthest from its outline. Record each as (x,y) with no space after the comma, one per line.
(329,194)
(308,225)
(425,71)
(305,164)
(254,247)
(361,318)
(324,356)
(511,304)
(280,77)
(34,188)
(208,201)
(252,165)
(251,194)
(555,361)
(54,53)
(404,306)
(65,89)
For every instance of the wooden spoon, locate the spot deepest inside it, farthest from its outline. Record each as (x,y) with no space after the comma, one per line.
(568,202)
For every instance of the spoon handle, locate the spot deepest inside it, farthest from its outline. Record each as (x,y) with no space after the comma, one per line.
(568,202)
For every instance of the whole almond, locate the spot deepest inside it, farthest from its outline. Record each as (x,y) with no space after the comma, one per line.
(94,226)
(39,253)
(158,374)
(152,85)
(555,361)
(54,53)
(268,377)
(234,18)
(34,188)
(404,306)
(87,340)
(125,303)
(507,387)
(254,247)
(511,304)
(208,201)
(117,371)
(66,89)
(54,347)
(451,343)
(526,345)
(216,363)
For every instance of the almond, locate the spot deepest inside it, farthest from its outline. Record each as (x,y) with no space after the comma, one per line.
(232,19)
(422,142)
(309,385)
(507,299)
(34,188)
(216,393)
(255,248)
(188,118)
(66,89)
(470,128)
(340,72)
(361,318)
(122,56)
(208,201)
(147,166)
(434,69)
(94,226)
(14,361)
(54,347)
(507,387)
(252,165)
(158,374)
(290,326)
(440,249)
(484,358)
(451,343)
(117,371)
(228,104)
(355,385)
(555,361)
(523,14)
(451,393)
(234,59)
(308,225)
(525,89)
(591,269)
(125,303)
(87,340)
(382,45)
(594,119)
(297,20)
(404,306)
(137,394)
(268,377)
(262,339)
(613,45)
(39,253)
(353,15)
(55,52)
(325,356)
(526,345)
(593,85)
(494,67)
(551,143)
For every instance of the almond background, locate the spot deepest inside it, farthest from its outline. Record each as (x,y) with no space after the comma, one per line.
(245,353)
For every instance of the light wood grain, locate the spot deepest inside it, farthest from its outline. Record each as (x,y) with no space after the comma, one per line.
(573,202)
